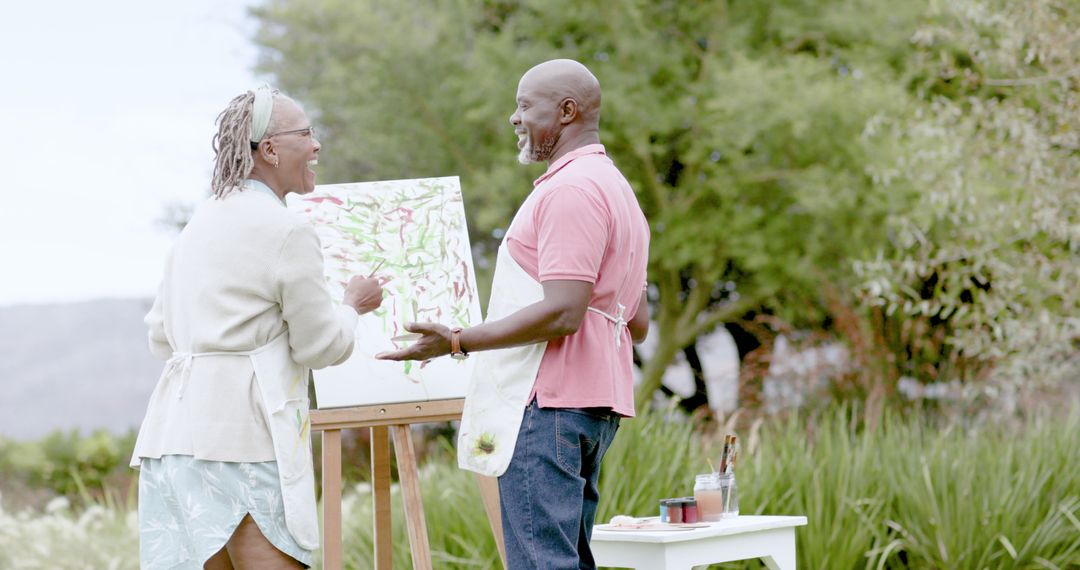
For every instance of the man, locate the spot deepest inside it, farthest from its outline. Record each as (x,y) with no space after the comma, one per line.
(542,409)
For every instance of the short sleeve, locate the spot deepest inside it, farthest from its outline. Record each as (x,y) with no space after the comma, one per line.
(573,227)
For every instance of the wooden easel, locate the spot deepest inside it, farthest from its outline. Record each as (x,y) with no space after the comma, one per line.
(382,420)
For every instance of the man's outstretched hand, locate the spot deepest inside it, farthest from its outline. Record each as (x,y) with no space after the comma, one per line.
(434,343)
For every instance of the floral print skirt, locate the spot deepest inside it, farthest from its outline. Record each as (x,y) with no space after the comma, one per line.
(188,509)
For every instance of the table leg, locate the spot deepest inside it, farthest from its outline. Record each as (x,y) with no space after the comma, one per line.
(331,476)
(782,557)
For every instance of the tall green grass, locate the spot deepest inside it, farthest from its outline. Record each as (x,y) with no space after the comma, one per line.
(901,495)
(658,459)
(908,496)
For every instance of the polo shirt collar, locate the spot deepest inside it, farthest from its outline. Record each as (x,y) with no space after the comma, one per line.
(567,159)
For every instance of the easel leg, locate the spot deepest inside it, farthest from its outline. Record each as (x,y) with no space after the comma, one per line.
(331,476)
(380,495)
(489,494)
(409,480)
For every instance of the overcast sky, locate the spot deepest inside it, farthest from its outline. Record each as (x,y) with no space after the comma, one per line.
(106,113)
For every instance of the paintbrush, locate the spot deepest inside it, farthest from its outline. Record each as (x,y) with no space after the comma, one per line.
(372,274)
(724,454)
(734,454)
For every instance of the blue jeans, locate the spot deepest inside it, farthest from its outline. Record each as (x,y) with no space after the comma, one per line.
(548,494)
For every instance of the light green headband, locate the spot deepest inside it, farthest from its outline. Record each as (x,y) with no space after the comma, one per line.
(260,112)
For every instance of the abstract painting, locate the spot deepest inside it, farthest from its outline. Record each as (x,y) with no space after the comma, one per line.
(412,233)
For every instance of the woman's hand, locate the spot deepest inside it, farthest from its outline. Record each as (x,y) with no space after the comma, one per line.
(364,294)
(434,343)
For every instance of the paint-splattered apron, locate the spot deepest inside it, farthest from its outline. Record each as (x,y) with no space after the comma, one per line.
(503,379)
(283,387)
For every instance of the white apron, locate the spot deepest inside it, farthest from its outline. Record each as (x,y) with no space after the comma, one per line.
(503,379)
(283,386)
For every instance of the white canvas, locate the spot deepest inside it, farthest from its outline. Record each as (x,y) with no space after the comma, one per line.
(412,232)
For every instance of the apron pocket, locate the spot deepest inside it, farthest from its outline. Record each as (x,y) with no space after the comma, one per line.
(291,433)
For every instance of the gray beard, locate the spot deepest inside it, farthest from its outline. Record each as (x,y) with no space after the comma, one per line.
(530,154)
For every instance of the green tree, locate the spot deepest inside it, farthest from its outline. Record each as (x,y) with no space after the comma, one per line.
(788,154)
(740,126)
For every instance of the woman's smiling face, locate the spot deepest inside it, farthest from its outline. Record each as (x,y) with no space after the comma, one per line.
(297,149)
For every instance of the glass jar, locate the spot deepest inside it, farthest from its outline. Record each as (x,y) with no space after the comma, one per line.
(675,511)
(729,493)
(709,497)
(690,510)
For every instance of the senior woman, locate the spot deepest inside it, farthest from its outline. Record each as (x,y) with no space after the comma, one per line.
(242,313)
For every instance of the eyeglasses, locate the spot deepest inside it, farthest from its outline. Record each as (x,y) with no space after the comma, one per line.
(306,131)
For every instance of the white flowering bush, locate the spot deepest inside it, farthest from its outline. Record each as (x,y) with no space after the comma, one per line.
(981,274)
(100,537)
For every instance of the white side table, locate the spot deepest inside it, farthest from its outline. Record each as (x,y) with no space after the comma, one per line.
(770,538)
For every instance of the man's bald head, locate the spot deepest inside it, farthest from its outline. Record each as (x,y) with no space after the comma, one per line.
(565,78)
(558,110)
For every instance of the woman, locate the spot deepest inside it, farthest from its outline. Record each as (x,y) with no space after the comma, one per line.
(242,313)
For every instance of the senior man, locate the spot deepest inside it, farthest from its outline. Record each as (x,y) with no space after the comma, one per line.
(554,370)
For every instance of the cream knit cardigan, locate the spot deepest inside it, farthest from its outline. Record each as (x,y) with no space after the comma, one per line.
(244,270)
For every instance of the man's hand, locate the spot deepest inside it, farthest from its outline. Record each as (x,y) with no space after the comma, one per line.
(364,294)
(434,343)
(558,314)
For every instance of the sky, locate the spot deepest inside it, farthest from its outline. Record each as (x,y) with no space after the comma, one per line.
(107,111)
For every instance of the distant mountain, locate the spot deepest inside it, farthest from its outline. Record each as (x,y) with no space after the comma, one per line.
(87,366)
(74,365)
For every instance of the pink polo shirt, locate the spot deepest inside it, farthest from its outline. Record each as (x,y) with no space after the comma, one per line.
(582,222)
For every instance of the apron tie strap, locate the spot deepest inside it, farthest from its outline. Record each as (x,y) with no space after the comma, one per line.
(618,319)
(179,363)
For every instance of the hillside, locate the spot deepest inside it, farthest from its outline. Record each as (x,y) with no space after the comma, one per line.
(74,365)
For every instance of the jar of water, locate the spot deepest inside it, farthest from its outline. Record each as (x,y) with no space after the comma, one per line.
(729,496)
(708,494)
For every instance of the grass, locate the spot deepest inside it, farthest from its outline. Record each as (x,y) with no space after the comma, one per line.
(100,535)
(901,495)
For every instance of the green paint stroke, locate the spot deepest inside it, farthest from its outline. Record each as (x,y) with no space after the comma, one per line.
(485,444)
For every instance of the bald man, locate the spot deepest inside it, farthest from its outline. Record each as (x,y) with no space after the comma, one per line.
(553,371)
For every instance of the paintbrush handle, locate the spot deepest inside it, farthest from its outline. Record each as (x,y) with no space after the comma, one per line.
(724,454)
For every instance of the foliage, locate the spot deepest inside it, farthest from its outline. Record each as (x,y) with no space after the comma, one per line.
(981,270)
(901,495)
(102,536)
(67,463)
(738,123)
(457,526)
(905,494)
(791,156)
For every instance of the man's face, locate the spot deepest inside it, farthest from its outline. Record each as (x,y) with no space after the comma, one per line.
(297,149)
(536,122)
